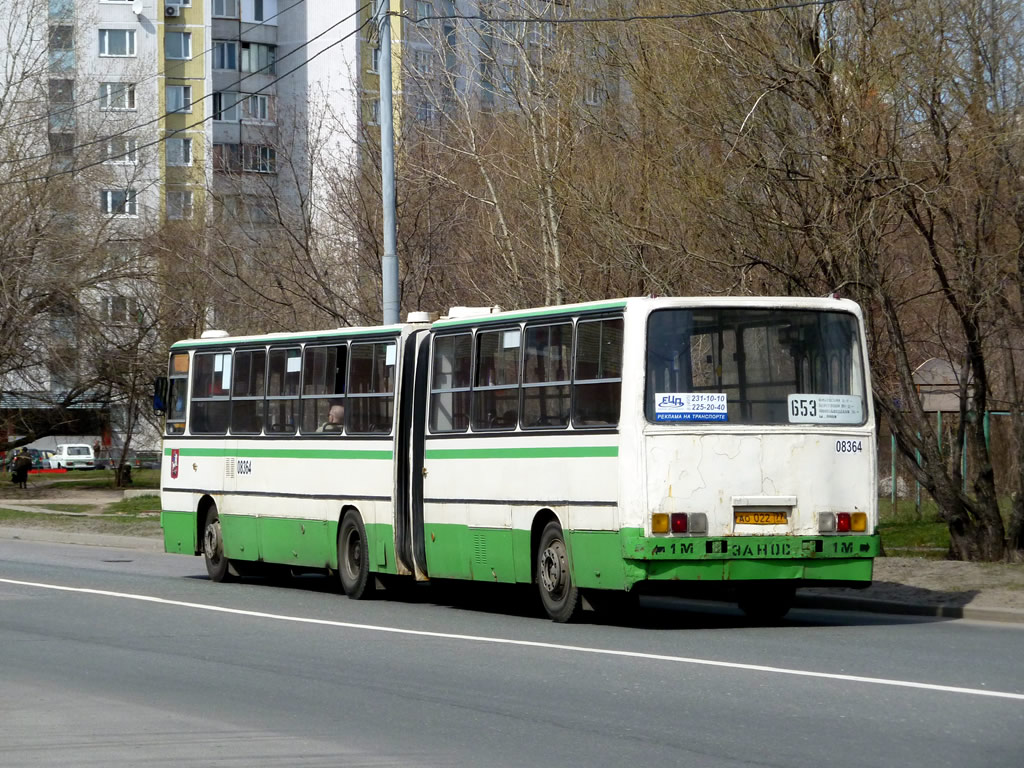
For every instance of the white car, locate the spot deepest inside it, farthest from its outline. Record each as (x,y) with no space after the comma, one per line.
(73,456)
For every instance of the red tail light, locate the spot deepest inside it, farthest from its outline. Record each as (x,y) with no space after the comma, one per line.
(678,522)
(843,522)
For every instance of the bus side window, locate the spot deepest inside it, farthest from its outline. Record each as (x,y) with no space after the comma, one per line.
(449,384)
(177,393)
(371,387)
(211,386)
(597,378)
(496,381)
(284,370)
(247,392)
(323,389)
(546,376)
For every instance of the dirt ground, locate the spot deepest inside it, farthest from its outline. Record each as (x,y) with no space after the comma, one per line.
(947,582)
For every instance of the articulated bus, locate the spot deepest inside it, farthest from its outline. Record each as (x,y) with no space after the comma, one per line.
(715,446)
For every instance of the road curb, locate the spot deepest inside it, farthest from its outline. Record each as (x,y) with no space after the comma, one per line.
(871,605)
(114,541)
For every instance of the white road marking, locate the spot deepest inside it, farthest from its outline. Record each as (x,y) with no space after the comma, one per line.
(529,643)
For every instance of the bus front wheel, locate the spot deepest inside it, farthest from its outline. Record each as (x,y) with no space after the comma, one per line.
(354,557)
(213,548)
(559,596)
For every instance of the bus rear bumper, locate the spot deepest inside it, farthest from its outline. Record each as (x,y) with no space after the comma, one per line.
(812,560)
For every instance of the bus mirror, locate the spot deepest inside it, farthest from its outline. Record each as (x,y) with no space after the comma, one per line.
(159,394)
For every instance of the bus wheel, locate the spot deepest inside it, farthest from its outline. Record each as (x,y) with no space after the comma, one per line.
(354,557)
(213,548)
(766,604)
(560,597)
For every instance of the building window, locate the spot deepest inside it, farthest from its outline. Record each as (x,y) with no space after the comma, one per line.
(117,42)
(423,62)
(424,8)
(62,151)
(122,150)
(62,48)
(184,3)
(425,111)
(179,98)
(179,151)
(375,59)
(257,57)
(119,202)
(225,54)
(119,309)
(62,91)
(257,10)
(257,158)
(179,204)
(593,94)
(258,107)
(375,112)
(225,105)
(225,9)
(117,95)
(178,45)
(227,157)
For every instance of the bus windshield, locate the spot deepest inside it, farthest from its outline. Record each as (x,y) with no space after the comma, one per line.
(752,365)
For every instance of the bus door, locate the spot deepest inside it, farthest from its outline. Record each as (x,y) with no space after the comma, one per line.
(409,544)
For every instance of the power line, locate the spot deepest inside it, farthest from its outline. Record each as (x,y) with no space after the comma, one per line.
(75,105)
(162,139)
(613,19)
(205,96)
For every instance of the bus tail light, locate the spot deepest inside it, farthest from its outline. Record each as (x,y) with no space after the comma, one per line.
(679,522)
(843,522)
(659,522)
(698,522)
(859,522)
(826,522)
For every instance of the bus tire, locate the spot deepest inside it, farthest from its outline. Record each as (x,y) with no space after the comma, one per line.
(559,596)
(766,604)
(354,557)
(217,565)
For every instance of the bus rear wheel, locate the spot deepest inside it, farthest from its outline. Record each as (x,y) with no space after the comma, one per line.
(354,557)
(558,595)
(213,548)
(766,604)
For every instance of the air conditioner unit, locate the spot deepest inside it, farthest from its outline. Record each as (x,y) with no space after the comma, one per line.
(172,10)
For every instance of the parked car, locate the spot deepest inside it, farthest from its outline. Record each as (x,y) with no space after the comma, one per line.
(39,459)
(73,456)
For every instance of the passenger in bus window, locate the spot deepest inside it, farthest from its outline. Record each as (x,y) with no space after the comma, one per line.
(335,419)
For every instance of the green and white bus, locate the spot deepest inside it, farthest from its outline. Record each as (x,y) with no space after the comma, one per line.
(684,445)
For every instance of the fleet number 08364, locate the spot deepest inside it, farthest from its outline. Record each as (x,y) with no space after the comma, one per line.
(849,446)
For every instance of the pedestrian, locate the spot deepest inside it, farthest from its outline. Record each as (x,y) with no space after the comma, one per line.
(22,464)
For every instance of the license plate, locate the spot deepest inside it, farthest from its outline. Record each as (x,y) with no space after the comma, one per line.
(760,518)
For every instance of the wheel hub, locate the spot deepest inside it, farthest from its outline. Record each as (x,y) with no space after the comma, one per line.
(552,571)
(212,544)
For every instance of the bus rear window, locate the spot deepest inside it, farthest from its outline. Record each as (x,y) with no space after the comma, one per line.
(754,366)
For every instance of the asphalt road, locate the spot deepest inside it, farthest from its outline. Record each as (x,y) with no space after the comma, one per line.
(113,657)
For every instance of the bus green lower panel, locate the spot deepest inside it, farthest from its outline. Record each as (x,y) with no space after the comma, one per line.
(597,562)
(179,532)
(290,541)
(380,540)
(461,552)
(241,537)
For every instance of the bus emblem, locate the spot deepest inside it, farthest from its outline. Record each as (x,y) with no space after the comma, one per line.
(174,463)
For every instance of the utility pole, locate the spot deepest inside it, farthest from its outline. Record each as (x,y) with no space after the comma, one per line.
(389,261)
